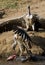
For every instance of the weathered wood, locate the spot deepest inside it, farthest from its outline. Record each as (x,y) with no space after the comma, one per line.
(22,39)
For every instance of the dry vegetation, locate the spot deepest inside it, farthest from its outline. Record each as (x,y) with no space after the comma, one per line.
(13,9)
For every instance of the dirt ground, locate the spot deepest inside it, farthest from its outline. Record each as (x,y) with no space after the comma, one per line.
(6,38)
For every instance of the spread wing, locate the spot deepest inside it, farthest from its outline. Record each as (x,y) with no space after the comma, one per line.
(9,24)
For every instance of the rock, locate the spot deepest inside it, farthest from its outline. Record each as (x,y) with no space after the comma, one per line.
(36,58)
(22,59)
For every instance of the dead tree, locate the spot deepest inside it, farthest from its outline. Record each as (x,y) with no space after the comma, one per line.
(20,34)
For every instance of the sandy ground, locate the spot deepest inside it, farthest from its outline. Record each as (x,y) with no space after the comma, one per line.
(6,38)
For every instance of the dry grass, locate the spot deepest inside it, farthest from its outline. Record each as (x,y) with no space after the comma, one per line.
(5,44)
(12,3)
(16,3)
